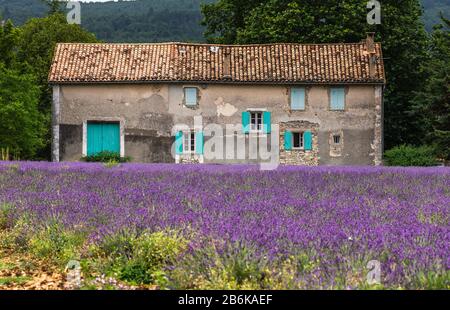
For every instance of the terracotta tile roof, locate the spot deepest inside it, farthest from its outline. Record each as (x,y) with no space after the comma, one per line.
(264,63)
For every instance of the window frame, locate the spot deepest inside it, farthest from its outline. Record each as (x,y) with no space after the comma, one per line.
(304,98)
(344,90)
(185,89)
(301,140)
(189,136)
(256,118)
(338,136)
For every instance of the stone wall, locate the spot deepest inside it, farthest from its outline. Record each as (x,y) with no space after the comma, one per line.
(300,157)
(148,113)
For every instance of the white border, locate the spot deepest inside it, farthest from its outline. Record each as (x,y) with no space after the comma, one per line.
(105,119)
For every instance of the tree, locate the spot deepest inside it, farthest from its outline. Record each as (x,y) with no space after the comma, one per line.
(22,126)
(434,100)
(54,6)
(37,43)
(310,21)
(8,42)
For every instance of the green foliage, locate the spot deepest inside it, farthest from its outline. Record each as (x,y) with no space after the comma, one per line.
(151,254)
(5,213)
(432,11)
(14,280)
(25,97)
(401,32)
(125,21)
(9,35)
(406,155)
(22,127)
(432,280)
(138,259)
(37,44)
(433,102)
(16,236)
(236,267)
(109,158)
(54,243)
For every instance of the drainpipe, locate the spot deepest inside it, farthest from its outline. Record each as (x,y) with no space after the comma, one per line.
(55,123)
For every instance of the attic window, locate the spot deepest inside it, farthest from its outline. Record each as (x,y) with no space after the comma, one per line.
(336,139)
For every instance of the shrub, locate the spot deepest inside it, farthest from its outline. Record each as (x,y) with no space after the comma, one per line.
(17,237)
(5,220)
(55,244)
(406,155)
(106,157)
(151,254)
(236,267)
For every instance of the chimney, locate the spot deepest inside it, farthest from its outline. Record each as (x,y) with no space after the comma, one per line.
(227,64)
(370,44)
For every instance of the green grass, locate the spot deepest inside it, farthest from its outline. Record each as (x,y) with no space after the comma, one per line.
(14,280)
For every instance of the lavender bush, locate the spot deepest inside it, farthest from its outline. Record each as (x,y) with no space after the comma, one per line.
(295,227)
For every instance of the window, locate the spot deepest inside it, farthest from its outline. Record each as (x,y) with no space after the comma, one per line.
(337,98)
(297,98)
(190,96)
(336,139)
(256,121)
(294,140)
(189,142)
(297,140)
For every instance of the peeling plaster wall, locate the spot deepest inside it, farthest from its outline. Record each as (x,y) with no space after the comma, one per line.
(149,111)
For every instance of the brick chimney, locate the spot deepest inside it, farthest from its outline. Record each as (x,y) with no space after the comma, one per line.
(227,64)
(370,45)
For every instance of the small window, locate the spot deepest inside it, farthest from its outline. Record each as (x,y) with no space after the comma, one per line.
(297,98)
(336,139)
(190,96)
(297,140)
(189,142)
(256,121)
(337,98)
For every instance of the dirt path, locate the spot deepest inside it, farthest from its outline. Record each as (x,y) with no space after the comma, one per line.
(20,272)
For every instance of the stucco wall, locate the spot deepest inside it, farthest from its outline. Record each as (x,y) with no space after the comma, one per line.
(149,111)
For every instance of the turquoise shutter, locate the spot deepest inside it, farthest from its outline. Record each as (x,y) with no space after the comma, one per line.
(190,95)
(287,140)
(337,98)
(179,143)
(307,140)
(103,137)
(297,98)
(246,122)
(111,137)
(94,138)
(199,142)
(267,122)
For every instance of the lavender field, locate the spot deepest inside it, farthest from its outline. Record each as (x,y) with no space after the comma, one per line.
(232,227)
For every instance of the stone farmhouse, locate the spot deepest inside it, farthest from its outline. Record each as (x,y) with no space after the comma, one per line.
(312,104)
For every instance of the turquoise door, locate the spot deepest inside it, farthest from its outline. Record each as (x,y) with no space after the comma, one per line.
(103,137)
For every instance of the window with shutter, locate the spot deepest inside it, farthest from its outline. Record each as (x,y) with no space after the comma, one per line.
(190,96)
(337,98)
(298,98)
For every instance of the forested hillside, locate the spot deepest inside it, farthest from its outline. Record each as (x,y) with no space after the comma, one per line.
(137,21)
(151,20)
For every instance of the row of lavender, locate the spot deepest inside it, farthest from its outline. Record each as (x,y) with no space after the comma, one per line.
(341,218)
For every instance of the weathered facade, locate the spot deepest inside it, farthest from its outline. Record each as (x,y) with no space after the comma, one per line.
(311,104)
